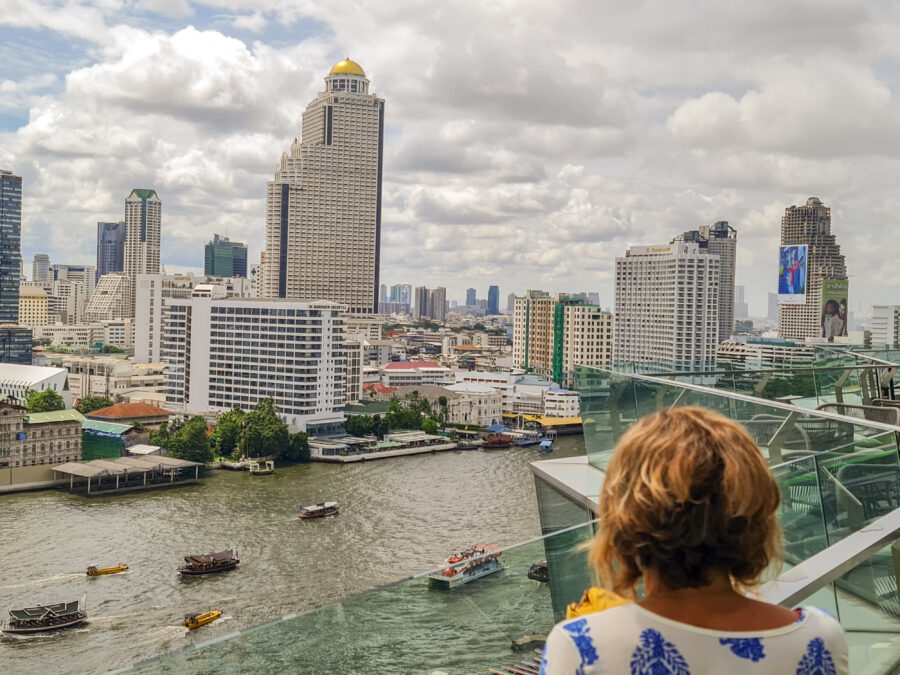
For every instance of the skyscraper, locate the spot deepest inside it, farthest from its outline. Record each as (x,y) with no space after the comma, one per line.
(323,210)
(470,297)
(225,258)
(721,240)
(143,225)
(667,306)
(811,225)
(110,248)
(40,268)
(10,246)
(493,304)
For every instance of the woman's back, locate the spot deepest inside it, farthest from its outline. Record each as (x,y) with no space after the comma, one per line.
(631,639)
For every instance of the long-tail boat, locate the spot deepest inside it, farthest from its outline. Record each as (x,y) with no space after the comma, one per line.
(192,621)
(94,571)
(45,617)
(209,563)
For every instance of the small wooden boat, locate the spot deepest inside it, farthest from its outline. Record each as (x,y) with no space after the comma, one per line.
(539,571)
(94,571)
(45,617)
(192,621)
(209,563)
(497,442)
(257,470)
(319,510)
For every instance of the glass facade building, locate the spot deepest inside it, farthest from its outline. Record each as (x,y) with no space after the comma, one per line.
(110,248)
(10,246)
(493,306)
(225,258)
(15,345)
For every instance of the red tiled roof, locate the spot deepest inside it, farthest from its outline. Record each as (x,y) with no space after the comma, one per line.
(127,411)
(406,365)
(378,387)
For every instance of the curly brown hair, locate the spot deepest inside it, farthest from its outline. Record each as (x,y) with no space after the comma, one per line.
(686,492)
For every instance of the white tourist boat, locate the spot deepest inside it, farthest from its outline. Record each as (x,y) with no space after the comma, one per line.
(465,566)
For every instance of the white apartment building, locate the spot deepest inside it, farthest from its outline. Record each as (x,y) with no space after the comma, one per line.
(111,377)
(766,354)
(885,326)
(667,306)
(143,237)
(112,299)
(72,335)
(561,403)
(150,292)
(323,210)
(85,275)
(224,352)
(810,224)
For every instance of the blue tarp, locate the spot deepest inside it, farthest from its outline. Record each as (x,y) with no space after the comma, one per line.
(498,428)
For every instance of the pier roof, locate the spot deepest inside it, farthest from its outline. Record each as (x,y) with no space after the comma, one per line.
(122,465)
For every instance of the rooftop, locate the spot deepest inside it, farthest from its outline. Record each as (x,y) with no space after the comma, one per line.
(410,365)
(347,67)
(28,374)
(127,411)
(54,416)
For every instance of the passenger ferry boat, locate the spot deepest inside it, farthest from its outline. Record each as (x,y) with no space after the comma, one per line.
(94,571)
(465,566)
(209,563)
(319,510)
(497,442)
(45,617)
(192,621)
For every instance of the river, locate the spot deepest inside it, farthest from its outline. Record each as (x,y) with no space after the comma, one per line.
(398,517)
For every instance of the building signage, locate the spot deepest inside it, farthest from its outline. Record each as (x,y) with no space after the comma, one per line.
(792,268)
(834,308)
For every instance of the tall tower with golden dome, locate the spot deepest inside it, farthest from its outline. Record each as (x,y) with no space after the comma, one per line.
(323,210)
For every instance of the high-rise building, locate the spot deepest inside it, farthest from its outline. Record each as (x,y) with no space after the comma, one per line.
(885,325)
(667,306)
(10,246)
(772,307)
(40,268)
(470,297)
(32,306)
(225,258)
(493,300)
(721,240)
(741,309)
(437,302)
(551,335)
(510,303)
(810,225)
(420,307)
(110,248)
(383,296)
(143,231)
(86,275)
(323,210)
(240,356)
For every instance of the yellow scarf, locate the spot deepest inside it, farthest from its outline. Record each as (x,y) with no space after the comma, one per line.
(594,600)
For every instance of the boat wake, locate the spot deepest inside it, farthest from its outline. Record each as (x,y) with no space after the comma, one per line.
(27,636)
(46,580)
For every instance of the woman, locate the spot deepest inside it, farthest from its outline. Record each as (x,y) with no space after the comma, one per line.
(689,507)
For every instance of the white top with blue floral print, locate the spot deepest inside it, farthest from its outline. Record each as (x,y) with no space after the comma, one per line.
(631,639)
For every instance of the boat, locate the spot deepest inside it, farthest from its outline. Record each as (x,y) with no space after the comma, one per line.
(465,566)
(546,447)
(539,571)
(45,617)
(257,470)
(94,571)
(497,442)
(209,563)
(319,510)
(524,437)
(192,621)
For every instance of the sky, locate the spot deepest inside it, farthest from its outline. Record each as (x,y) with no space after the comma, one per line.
(527,144)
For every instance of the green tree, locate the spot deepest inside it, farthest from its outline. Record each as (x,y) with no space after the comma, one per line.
(190,441)
(112,349)
(264,434)
(228,432)
(429,426)
(43,401)
(297,448)
(91,403)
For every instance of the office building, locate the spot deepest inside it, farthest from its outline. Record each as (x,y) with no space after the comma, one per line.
(741,309)
(15,344)
(551,335)
(86,275)
(721,240)
(143,231)
(493,300)
(32,306)
(470,297)
(40,268)
(226,352)
(323,210)
(10,246)
(225,258)
(885,325)
(110,248)
(810,224)
(511,303)
(152,290)
(667,306)
(113,298)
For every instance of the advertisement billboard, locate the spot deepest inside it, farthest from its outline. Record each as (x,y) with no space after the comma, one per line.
(834,308)
(792,275)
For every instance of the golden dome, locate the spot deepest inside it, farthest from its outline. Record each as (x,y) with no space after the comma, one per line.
(347,67)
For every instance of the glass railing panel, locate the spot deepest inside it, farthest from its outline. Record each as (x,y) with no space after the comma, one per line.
(408,627)
(801,513)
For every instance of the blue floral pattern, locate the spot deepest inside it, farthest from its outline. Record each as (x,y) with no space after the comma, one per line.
(656,656)
(580,636)
(746,648)
(817,660)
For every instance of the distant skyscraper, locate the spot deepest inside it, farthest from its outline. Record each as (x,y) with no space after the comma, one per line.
(470,297)
(511,303)
(741,310)
(721,240)
(383,296)
(667,306)
(810,225)
(110,248)
(420,308)
(40,268)
(493,300)
(225,258)
(323,210)
(143,233)
(437,300)
(10,246)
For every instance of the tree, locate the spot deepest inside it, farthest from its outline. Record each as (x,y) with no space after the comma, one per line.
(190,441)
(112,349)
(298,448)
(43,401)
(264,434)
(429,426)
(228,432)
(91,403)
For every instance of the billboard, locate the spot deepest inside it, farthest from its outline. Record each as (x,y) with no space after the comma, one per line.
(834,308)
(792,275)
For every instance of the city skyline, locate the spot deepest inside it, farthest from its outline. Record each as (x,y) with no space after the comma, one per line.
(488,171)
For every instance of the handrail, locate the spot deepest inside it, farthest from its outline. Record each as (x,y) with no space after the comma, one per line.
(824,567)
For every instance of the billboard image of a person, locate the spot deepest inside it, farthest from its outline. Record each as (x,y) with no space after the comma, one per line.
(792,274)
(834,308)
